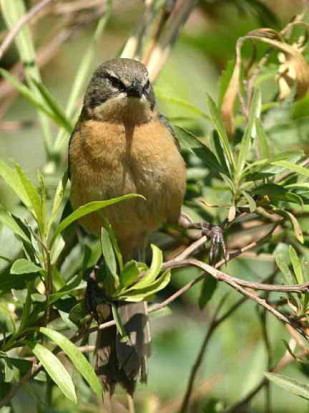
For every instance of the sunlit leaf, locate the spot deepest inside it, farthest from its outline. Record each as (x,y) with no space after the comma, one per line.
(87,209)
(144,293)
(154,270)
(77,358)
(23,266)
(56,371)
(293,167)
(255,109)
(217,121)
(9,220)
(289,384)
(111,280)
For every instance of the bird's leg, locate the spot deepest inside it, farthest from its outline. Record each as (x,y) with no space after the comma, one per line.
(95,298)
(213,232)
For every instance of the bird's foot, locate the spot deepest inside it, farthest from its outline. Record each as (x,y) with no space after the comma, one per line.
(214,233)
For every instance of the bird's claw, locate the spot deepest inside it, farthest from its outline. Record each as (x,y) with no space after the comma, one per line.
(215,234)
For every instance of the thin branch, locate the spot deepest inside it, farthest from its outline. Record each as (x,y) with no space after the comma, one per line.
(215,323)
(236,283)
(221,276)
(175,263)
(20,24)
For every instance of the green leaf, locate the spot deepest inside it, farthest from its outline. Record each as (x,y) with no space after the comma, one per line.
(131,272)
(208,288)
(144,293)
(24,189)
(82,75)
(154,270)
(296,263)
(217,145)
(225,79)
(119,325)
(289,384)
(11,177)
(262,140)
(54,107)
(87,209)
(26,311)
(78,359)
(56,371)
(217,121)
(284,268)
(33,195)
(57,200)
(111,280)
(23,266)
(108,252)
(67,288)
(293,167)
(161,95)
(250,200)
(188,141)
(26,92)
(245,144)
(79,313)
(13,11)
(9,220)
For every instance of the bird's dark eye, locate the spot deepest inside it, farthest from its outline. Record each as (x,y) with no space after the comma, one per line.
(147,87)
(115,82)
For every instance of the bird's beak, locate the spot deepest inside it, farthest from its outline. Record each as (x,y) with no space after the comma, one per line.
(135,90)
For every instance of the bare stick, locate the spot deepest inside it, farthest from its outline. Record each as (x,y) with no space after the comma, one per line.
(197,364)
(20,24)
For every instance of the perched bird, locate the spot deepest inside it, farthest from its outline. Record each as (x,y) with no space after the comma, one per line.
(121,145)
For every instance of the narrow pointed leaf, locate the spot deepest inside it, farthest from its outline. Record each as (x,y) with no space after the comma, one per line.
(54,107)
(296,263)
(119,325)
(289,384)
(76,356)
(87,209)
(82,75)
(56,371)
(249,132)
(262,140)
(154,270)
(7,219)
(293,167)
(143,293)
(284,268)
(217,121)
(111,280)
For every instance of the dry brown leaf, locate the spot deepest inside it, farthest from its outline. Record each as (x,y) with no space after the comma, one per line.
(294,69)
(229,99)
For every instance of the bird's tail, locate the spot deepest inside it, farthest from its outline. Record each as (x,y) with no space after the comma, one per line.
(119,361)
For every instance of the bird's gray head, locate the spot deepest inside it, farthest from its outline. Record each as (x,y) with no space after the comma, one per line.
(118,90)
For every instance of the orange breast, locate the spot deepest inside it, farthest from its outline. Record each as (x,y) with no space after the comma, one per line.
(108,160)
